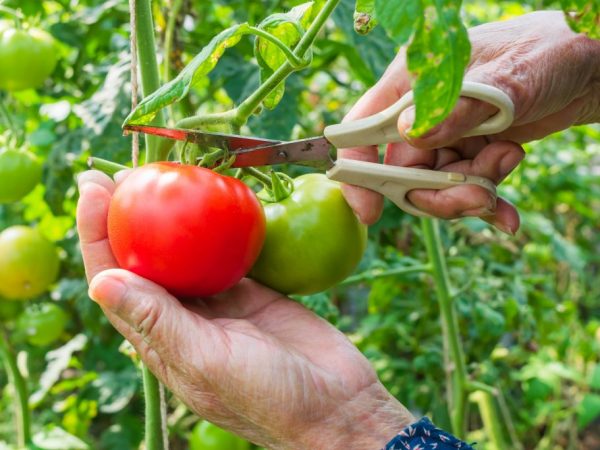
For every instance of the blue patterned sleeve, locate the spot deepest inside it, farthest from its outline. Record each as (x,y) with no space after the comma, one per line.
(423,435)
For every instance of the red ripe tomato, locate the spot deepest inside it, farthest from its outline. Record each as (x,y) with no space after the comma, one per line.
(191,230)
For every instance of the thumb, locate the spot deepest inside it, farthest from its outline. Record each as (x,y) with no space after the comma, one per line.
(154,321)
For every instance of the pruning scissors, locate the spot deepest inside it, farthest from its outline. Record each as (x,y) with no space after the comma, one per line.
(392,181)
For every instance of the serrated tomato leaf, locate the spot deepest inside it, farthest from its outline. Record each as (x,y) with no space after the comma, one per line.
(364,16)
(399,18)
(437,56)
(178,88)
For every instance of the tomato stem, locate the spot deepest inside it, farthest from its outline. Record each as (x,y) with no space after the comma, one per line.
(149,73)
(108,167)
(260,176)
(17,381)
(376,274)
(207,119)
(169,36)
(15,13)
(453,350)
(490,418)
(293,59)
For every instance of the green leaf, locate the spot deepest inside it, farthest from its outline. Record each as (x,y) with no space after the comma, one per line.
(438,53)
(437,56)
(364,16)
(583,16)
(179,87)
(400,19)
(588,411)
(288,28)
(55,438)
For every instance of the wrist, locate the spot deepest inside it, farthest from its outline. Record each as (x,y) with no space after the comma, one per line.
(369,421)
(591,111)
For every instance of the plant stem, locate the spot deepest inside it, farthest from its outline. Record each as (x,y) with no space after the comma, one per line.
(16,14)
(207,119)
(149,72)
(491,419)
(15,378)
(260,176)
(294,60)
(372,275)
(108,167)
(456,369)
(169,35)
(155,426)
(248,106)
(155,439)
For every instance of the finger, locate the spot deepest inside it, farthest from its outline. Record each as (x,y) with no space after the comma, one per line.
(506,217)
(368,204)
(494,162)
(121,175)
(155,322)
(92,212)
(96,177)
(467,114)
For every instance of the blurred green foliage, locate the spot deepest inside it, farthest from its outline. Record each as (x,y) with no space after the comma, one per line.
(529,306)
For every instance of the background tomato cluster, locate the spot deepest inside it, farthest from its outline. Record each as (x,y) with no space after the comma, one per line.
(529,306)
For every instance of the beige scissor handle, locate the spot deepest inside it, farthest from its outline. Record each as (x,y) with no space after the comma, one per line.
(382,128)
(395,182)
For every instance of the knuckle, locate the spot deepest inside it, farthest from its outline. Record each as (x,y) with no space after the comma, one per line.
(146,317)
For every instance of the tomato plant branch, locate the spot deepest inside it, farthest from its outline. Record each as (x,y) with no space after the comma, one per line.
(16,14)
(16,380)
(490,418)
(457,394)
(376,274)
(155,426)
(248,106)
(169,36)
(295,61)
(207,119)
(103,165)
(260,176)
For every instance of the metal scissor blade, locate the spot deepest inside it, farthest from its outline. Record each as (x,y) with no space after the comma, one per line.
(314,152)
(219,140)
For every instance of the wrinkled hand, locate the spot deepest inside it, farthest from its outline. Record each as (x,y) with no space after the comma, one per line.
(550,73)
(249,360)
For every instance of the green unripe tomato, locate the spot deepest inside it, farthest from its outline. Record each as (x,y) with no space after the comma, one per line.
(20,172)
(27,58)
(206,436)
(42,324)
(314,239)
(29,263)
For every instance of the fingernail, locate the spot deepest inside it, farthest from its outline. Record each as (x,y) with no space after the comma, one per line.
(406,119)
(506,229)
(107,291)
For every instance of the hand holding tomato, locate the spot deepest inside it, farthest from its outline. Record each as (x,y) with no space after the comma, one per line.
(249,360)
